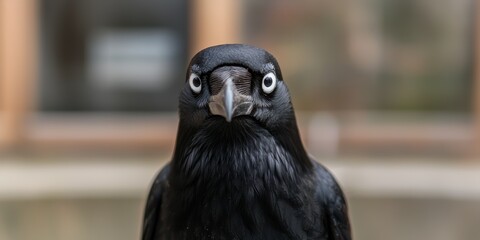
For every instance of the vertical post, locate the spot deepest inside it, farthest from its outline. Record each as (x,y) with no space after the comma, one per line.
(476,80)
(17,67)
(215,22)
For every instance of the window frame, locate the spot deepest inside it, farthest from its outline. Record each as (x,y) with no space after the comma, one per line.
(21,126)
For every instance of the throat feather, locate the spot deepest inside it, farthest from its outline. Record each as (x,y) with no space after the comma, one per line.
(248,155)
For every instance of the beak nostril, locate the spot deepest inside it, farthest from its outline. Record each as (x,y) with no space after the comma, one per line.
(240,76)
(230,87)
(229,102)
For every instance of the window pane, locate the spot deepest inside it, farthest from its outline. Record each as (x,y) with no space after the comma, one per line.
(119,55)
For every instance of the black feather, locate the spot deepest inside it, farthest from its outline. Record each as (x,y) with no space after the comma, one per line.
(250,178)
(233,55)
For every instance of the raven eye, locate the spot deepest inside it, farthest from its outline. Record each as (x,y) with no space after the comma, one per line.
(195,83)
(269,83)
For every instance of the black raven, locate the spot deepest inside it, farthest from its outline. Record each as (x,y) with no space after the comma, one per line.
(239,170)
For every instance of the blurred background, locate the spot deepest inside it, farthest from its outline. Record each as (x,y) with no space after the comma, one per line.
(386,93)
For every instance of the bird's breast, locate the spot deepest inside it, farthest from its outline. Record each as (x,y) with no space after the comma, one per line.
(239,211)
(236,182)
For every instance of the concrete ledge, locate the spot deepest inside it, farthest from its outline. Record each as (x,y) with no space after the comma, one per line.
(21,180)
(75,180)
(410,180)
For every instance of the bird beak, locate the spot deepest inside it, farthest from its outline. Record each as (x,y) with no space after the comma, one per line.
(229,103)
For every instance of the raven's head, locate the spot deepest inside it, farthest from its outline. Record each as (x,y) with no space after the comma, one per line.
(234,99)
(235,81)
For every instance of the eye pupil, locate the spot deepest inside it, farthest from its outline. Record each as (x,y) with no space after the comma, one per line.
(196,82)
(268,82)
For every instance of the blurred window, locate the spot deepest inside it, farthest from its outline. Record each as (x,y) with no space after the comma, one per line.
(402,55)
(111,55)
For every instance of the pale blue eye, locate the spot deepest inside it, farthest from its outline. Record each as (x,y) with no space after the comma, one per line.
(269,83)
(195,83)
